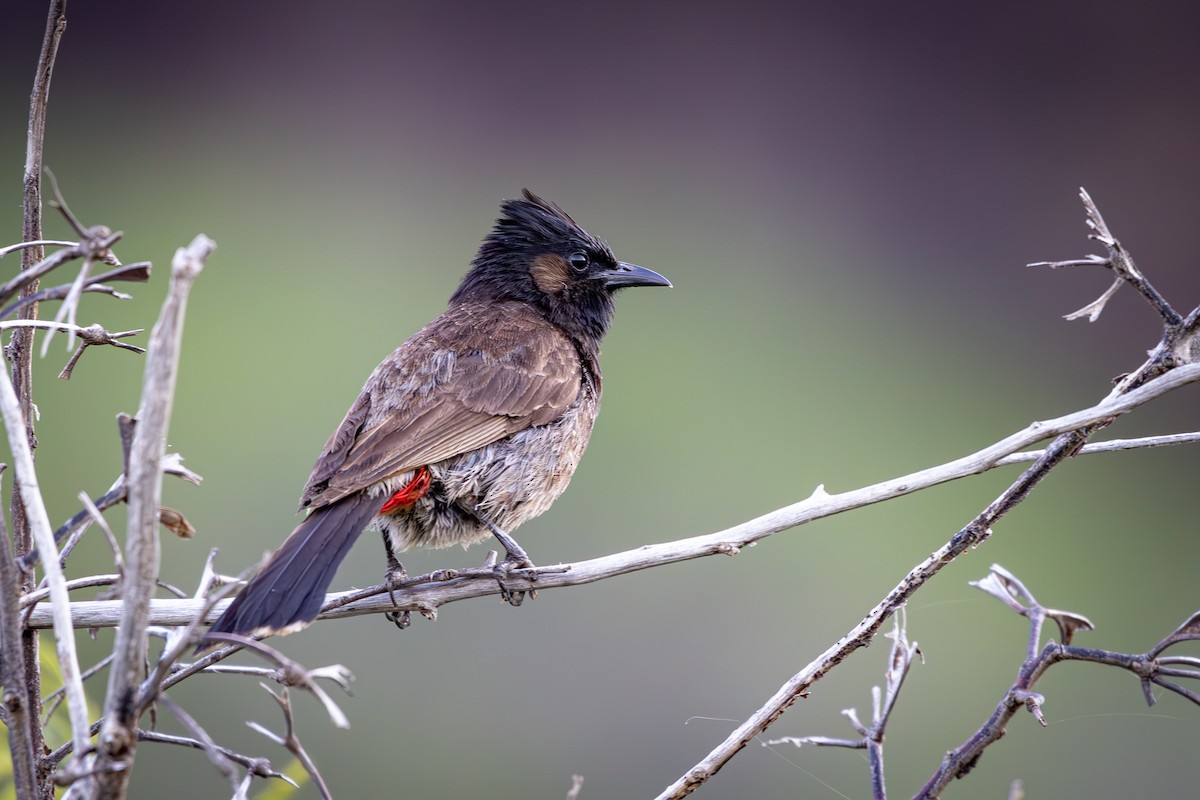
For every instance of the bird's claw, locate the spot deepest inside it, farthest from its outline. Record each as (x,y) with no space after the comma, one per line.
(401,619)
(394,577)
(513,563)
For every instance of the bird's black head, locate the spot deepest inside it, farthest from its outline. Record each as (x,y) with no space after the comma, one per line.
(537,254)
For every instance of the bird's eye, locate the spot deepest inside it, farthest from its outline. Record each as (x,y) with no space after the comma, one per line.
(578,261)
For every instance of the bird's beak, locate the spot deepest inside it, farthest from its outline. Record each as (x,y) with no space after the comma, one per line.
(631,275)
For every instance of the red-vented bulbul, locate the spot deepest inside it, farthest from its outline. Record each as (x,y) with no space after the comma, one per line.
(471,427)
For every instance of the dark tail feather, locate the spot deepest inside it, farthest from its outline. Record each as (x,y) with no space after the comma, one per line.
(287,594)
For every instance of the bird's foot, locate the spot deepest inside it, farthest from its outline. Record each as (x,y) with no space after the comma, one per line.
(401,619)
(394,576)
(503,571)
(515,559)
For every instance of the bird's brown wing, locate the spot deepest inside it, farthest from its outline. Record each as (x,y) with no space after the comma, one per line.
(473,376)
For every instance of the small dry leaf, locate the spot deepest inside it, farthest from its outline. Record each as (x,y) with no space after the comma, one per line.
(176,523)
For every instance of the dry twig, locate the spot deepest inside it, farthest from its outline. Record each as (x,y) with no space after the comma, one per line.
(1151,667)
(430,592)
(118,739)
(900,660)
(290,741)
(19,648)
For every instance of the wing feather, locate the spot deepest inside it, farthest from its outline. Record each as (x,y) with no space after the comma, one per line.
(473,376)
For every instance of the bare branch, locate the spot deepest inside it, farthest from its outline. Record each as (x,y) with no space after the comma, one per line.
(900,660)
(257,766)
(97,248)
(428,593)
(139,273)
(1004,586)
(31,498)
(17,714)
(215,754)
(1111,446)
(178,640)
(291,741)
(118,735)
(172,465)
(13,248)
(1070,440)
(293,673)
(76,583)
(1120,263)
(19,352)
(52,700)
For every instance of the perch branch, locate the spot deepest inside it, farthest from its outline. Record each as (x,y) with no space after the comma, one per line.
(465,584)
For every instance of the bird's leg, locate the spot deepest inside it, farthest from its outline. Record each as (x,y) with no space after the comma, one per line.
(514,553)
(515,558)
(392,578)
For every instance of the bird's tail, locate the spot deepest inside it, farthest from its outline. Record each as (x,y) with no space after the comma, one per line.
(287,594)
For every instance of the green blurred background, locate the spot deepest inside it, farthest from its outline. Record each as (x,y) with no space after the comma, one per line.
(845,199)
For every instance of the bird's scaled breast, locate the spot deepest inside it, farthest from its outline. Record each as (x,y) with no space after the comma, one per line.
(509,481)
(532,468)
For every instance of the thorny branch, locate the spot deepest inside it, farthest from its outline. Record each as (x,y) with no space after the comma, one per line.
(429,592)
(88,337)
(118,736)
(23,693)
(1174,349)
(72,528)
(1150,667)
(1179,344)
(257,766)
(291,742)
(39,525)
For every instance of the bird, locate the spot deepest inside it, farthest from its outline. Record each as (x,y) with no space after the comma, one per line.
(471,427)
